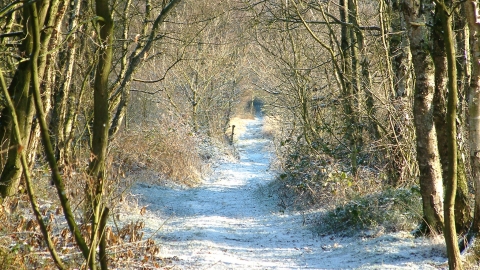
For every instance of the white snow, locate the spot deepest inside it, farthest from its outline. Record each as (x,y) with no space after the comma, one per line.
(232,221)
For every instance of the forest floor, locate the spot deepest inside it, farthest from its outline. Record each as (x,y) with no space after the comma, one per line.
(233,221)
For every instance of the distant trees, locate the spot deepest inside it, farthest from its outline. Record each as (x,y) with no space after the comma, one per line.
(345,108)
(205,88)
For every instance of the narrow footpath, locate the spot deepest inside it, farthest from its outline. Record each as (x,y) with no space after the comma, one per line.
(232,221)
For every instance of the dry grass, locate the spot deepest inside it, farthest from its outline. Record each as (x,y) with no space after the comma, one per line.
(163,146)
(22,246)
(472,256)
(169,149)
(269,128)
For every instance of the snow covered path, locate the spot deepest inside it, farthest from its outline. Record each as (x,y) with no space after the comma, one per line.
(231,222)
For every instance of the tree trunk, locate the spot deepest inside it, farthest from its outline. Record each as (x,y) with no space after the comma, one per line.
(59,121)
(400,77)
(450,233)
(474,108)
(356,46)
(463,217)
(439,98)
(348,91)
(49,17)
(101,122)
(418,16)
(20,90)
(462,208)
(101,114)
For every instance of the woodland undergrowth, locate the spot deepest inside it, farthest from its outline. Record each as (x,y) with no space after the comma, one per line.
(310,179)
(166,148)
(22,246)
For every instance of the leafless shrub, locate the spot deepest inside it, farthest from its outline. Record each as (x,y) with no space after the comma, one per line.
(22,246)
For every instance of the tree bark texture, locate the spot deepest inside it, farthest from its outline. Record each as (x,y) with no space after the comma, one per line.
(20,89)
(439,98)
(349,90)
(450,232)
(398,48)
(101,123)
(60,123)
(463,210)
(474,107)
(418,16)
(440,110)
(49,17)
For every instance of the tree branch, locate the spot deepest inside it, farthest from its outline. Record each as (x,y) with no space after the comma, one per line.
(57,179)
(162,78)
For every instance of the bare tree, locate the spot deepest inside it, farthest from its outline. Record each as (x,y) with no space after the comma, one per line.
(50,16)
(418,16)
(473,19)
(450,233)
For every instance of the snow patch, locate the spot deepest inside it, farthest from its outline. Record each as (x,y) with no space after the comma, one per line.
(232,221)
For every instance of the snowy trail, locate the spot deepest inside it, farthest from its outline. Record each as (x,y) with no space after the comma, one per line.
(231,222)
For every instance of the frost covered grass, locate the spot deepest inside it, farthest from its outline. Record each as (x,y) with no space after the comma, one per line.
(270,127)
(22,246)
(472,258)
(315,176)
(391,210)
